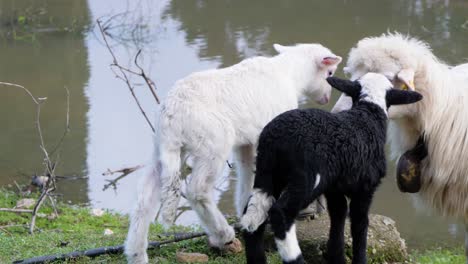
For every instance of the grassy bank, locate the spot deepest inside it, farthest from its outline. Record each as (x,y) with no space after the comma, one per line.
(77,228)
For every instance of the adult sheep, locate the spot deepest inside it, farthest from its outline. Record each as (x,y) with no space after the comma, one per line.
(210,113)
(442,117)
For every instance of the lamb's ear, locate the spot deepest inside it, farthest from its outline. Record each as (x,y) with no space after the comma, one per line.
(331,60)
(399,97)
(280,48)
(350,88)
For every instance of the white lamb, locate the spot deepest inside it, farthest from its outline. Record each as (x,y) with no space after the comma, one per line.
(442,116)
(207,115)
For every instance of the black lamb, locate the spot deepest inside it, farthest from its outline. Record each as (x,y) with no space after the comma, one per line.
(303,154)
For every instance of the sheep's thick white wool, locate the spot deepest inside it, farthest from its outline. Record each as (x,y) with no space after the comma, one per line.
(442,115)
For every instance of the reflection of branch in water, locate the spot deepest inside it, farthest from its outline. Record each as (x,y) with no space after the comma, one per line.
(124,171)
(130,28)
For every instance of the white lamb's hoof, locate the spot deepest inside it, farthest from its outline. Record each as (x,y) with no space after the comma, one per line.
(137,258)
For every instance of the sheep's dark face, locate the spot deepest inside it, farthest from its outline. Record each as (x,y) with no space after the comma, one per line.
(319,63)
(374,88)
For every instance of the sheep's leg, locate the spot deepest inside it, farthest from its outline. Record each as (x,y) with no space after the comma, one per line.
(282,216)
(359,213)
(141,217)
(254,245)
(245,156)
(337,209)
(200,195)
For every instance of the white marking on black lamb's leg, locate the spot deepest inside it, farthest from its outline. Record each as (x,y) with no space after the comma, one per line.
(288,248)
(257,210)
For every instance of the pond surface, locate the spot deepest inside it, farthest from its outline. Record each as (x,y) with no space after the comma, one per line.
(47,45)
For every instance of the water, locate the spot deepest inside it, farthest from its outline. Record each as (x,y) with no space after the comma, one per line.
(55,44)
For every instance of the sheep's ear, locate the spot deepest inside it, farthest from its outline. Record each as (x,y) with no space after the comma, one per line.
(350,88)
(280,48)
(331,60)
(399,97)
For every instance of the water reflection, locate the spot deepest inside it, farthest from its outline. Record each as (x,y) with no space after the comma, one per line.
(45,66)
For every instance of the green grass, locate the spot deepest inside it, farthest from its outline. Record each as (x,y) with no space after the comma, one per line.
(439,256)
(76,229)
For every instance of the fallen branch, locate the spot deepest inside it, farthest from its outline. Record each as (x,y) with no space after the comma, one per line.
(124,171)
(16,210)
(106,250)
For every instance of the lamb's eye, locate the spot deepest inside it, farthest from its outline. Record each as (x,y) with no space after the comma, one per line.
(330,73)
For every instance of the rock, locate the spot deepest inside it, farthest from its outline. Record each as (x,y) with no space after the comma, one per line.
(97,212)
(384,243)
(41,215)
(108,232)
(234,247)
(184,257)
(25,203)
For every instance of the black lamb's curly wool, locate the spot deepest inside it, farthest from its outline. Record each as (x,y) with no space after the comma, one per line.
(345,149)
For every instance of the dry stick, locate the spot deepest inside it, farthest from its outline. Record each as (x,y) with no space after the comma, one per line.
(123,75)
(15,210)
(106,250)
(149,82)
(124,171)
(49,165)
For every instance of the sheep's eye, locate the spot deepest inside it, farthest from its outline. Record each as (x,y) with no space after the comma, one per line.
(330,73)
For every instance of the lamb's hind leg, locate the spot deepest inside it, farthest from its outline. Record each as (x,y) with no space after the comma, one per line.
(245,156)
(359,213)
(337,210)
(200,195)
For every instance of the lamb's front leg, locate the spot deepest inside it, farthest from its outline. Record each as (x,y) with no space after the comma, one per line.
(282,216)
(359,213)
(337,209)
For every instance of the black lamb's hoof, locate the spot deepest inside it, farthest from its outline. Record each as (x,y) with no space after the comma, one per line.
(409,168)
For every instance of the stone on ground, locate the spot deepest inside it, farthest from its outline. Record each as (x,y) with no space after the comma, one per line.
(384,244)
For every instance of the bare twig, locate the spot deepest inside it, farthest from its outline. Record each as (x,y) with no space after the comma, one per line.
(124,171)
(50,184)
(122,75)
(67,125)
